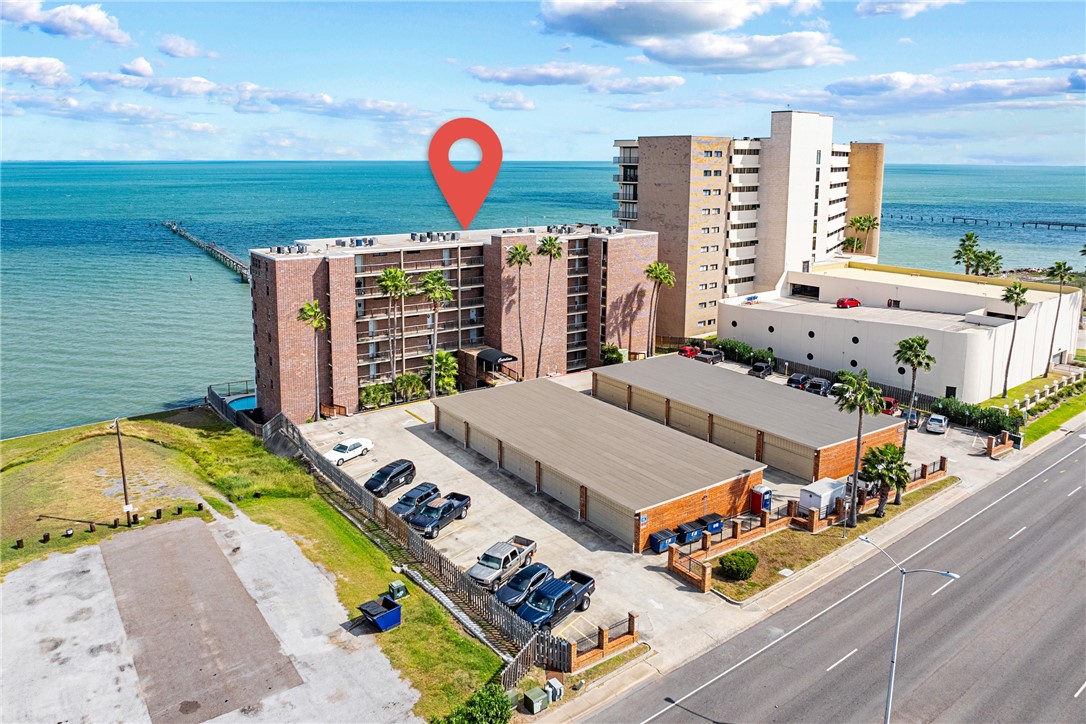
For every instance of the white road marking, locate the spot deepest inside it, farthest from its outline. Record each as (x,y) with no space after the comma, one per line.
(1084,684)
(1074,491)
(850,653)
(656,605)
(1019,531)
(946,584)
(837,603)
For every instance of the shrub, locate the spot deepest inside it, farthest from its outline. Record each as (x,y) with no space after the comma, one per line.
(738,565)
(489,705)
(992,420)
(763,355)
(611,355)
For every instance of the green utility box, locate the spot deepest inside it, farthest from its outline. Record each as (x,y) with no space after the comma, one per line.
(536,700)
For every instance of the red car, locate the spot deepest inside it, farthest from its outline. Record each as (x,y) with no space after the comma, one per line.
(889,406)
(690,352)
(847,303)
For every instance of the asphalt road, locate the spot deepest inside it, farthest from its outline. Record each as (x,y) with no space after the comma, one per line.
(1005,643)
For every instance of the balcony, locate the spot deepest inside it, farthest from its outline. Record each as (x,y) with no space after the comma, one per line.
(471,302)
(626,177)
(624,215)
(366,359)
(424,350)
(476,321)
(382,310)
(578,270)
(577,345)
(577,327)
(577,289)
(576,252)
(471,261)
(470,282)
(366,336)
(621,196)
(367,380)
(626,160)
(576,308)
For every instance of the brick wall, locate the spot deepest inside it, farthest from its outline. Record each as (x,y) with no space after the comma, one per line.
(838,460)
(727,499)
(342,332)
(627,294)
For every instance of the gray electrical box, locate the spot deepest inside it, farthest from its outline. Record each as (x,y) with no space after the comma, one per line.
(555,689)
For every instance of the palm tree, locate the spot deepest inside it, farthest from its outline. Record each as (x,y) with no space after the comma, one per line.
(864,225)
(409,386)
(445,370)
(437,291)
(966,253)
(312,316)
(1014,295)
(913,352)
(518,256)
(987,263)
(886,466)
(376,396)
(852,244)
(393,284)
(550,247)
(660,274)
(1061,272)
(857,394)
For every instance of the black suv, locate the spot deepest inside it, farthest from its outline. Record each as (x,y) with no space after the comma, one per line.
(390,477)
(819,386)
(712,356)
(798,380)
(761,369)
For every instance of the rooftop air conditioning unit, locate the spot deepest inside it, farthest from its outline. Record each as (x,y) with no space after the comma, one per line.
(520,230)
(414,236)
(341,242)
(531,229)
(456,235)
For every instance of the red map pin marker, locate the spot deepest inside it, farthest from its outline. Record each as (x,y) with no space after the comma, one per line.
(465,191)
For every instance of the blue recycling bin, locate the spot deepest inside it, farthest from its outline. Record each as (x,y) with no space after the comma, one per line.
(712,522)
(690,532)
(661,540)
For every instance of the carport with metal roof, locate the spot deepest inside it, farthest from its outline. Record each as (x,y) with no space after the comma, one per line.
(620,472)
(796,431)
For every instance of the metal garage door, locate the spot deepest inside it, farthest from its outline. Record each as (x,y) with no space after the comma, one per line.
(737,438)
(648,404)
(483,443)
(452,426)
(519,464)
(690,420)
(607,515)
(789,456)
(561,488)
(611,391)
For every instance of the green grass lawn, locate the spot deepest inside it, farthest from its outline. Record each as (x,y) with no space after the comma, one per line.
(1020,392)
(1052,420)
(797,549)
(1080,355)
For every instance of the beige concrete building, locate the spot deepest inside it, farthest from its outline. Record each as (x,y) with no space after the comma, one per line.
(735,214)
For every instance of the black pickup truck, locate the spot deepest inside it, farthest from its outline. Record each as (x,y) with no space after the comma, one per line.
(549,604)
(438,513)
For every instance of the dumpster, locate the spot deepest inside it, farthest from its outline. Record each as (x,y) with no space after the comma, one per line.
(761,498)
(690,532)
(712,522)
(661,540)
(384,613)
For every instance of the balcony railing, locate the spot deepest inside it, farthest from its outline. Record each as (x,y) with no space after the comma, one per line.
(578,270)
(423,350)
(382,311)
(471,261)
(624,215)
(475,281)
(578,251)
(472,302)
(577,289)
(366,380)
(576,308)
(366,336)
(579,346)
(619,196)
(469,322)
(577,327)
(373,358)
(626,160)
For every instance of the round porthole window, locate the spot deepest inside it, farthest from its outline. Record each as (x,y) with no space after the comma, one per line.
(811,335)
(852,363)
(855,340)
(810,356)
(901,370)
(769,349)
(735,323)
(771,329)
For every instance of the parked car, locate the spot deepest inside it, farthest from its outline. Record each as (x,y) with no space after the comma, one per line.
(847,303)
(761,370)
(394,475)
(938,424)
(712,356)
(837,389)
(912,418)
(798,380)
(348,449)
(523,582)
(501,561)
(889,406)
(415,498)
(818,385)
(549,604)
(688,351)
(438,513)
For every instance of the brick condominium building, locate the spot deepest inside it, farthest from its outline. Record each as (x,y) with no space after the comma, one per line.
(598,295)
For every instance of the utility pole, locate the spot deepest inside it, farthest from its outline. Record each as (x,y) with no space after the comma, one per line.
(124,480)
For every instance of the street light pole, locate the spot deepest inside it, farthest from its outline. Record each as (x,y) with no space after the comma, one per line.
(124,480)
(897,624)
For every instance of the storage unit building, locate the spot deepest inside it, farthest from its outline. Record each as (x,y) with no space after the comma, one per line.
(620,472)
(788,429)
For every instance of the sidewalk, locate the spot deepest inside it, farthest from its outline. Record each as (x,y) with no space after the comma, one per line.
(975,476)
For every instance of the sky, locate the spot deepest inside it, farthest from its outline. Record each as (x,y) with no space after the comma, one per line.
(937,81)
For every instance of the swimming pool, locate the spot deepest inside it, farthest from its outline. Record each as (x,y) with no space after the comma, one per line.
(243,403)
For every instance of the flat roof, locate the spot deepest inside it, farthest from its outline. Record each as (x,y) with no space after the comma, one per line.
(923,279)
(880,315)
(631,460)
(469,237)
(802,417)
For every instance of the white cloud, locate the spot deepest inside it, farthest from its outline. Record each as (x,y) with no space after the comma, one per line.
(207,128)
(545,74)
(637,59)
(68,21)
(907,9)
(514,101)
(176,46)
(1064,61)
(169,87)
(713,53)
(637,86)
(49,72)
(805,7)
(139,67)
(906,41)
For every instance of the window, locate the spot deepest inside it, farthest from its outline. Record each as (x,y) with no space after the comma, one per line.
(818,156)
(714,247)
(816,209)
(816,192)
(814,243)
(746,152)
(745,170)
(717,172)
(712,304)
(744,189)
(818,174)
(743,280)
(705,229)
(707,192)
(708,154)
(701,305)
(718,154)
(710,322)
(741,262)
(746,207)
(703,287)
(716,192)
(704,249)
(703,267)
(705,212)
(716,211)
(714,267)
(707,172)
(735,323)
(747,225)
(810,356)
(814,228)
(716,229)
(712,285)
(701,324)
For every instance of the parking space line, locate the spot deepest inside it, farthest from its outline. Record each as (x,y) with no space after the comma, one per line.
(1019,531)
(850,653)
(1080,690)
(412,414)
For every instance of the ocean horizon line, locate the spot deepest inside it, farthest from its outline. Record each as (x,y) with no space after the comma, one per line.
(257,161)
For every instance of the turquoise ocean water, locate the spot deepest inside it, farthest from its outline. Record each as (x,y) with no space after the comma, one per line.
(103,313)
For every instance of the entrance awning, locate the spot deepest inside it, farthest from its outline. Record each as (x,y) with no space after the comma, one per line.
(495,356)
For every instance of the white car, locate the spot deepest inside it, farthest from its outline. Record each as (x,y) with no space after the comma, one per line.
(937,424)
(350,448)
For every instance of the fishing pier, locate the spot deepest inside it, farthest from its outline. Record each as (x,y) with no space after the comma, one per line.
(975,221)
(213,250)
